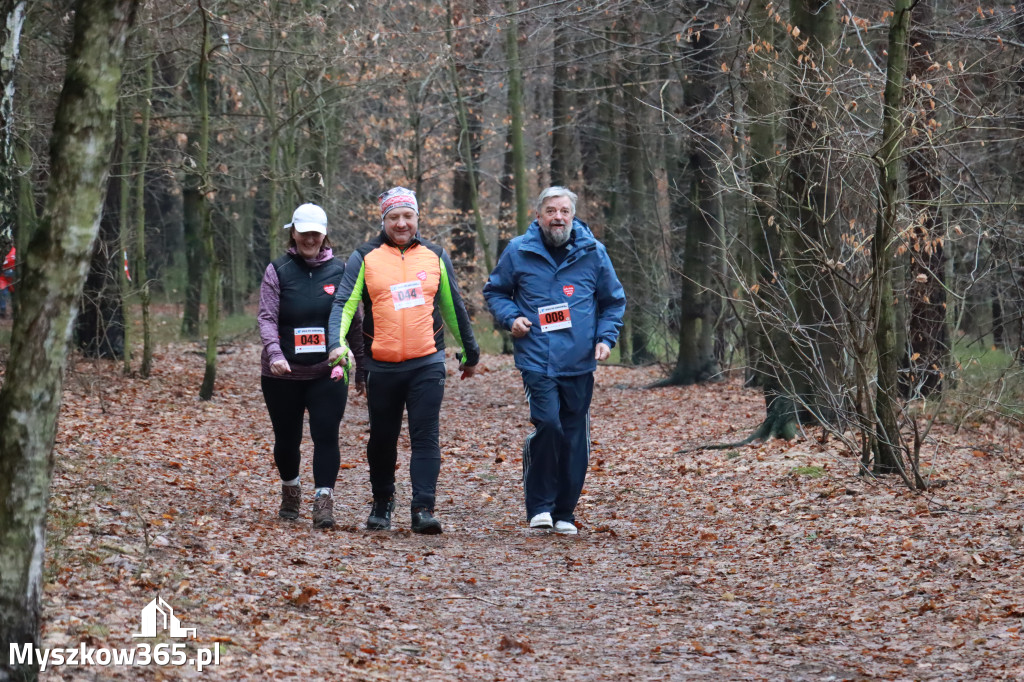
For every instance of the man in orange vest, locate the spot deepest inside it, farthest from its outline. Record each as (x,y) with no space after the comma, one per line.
(409,294)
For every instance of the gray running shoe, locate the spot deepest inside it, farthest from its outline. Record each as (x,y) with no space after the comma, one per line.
(323,511)
(291,499)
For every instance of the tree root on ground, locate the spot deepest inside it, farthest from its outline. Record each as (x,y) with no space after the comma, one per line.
(774,426)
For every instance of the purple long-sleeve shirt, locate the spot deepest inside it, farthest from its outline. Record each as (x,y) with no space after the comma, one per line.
(270,301)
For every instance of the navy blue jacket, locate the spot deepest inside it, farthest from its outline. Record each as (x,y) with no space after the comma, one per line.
(528,278)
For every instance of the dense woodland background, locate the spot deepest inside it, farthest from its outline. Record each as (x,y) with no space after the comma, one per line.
(824,194)
(822,198)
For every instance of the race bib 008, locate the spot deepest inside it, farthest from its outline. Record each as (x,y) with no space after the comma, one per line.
(554,317)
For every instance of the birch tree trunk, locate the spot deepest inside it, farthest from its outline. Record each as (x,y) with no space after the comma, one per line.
(53,271)
(13,13)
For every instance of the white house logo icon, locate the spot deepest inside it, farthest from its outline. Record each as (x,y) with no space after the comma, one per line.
(158,615)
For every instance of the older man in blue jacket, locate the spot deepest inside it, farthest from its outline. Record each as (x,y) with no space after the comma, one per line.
(555,289)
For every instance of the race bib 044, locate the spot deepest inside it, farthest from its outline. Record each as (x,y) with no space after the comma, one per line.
(554,317)
(310,340)
(407,294)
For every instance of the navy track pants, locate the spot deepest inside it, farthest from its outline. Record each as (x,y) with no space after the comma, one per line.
(556,455)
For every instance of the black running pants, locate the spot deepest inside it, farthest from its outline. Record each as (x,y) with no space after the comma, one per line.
(388,396)
(287,401)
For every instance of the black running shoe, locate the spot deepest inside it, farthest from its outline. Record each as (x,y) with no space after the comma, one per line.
(423,522)
(380,515)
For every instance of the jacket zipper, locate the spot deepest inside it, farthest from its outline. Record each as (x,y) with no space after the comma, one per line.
(405,335)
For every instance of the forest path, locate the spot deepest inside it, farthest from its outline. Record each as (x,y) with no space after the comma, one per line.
(728,564)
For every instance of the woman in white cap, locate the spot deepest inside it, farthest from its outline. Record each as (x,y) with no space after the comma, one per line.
(295,304)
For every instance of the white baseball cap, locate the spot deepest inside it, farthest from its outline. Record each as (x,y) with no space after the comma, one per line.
(308,218)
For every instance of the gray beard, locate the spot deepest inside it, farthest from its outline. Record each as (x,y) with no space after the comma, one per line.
(558,237)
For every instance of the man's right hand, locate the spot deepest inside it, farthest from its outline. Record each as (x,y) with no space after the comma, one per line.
(279,367)
(338,352)
(521,327)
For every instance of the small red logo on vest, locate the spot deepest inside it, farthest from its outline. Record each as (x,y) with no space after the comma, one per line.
(568,289)
(422,275)
(329,288)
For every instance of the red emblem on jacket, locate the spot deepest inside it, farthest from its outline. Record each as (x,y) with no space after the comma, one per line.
(568,289)
(329,288)
(422,275)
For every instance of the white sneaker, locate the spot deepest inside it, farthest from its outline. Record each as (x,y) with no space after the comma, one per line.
(542,520)
(565,528)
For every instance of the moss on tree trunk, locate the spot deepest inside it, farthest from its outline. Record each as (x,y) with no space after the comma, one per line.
(52,276)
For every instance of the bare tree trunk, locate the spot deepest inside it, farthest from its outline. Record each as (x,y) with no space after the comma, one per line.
(515,110)
(1017,122)
(273,195)
(762,248)
(141,264)
(506,224)
(887,446)
(195,209)
(100,325)
(468,191)
(191,217)
(929,333)
(563,109)
(606,167)
(696,361)
(466,186)
(209,245)
(239,231)
(414,92)
(53,271)
(639,275)
(124,236)
(812,375)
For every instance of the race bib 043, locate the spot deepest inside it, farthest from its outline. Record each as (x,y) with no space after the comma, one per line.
(407,294)
(310,340)
(554,317)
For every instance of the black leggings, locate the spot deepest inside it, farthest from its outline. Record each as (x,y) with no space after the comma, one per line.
(388,396)
(287,400)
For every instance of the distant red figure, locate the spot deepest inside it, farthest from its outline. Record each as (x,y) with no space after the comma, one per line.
(6,281)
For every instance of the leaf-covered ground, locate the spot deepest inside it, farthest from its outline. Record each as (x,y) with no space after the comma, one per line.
(729,564)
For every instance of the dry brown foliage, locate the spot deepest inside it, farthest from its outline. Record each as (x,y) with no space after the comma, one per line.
(728,565)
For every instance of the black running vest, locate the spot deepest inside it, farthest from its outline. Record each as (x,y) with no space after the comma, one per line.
(305,306)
